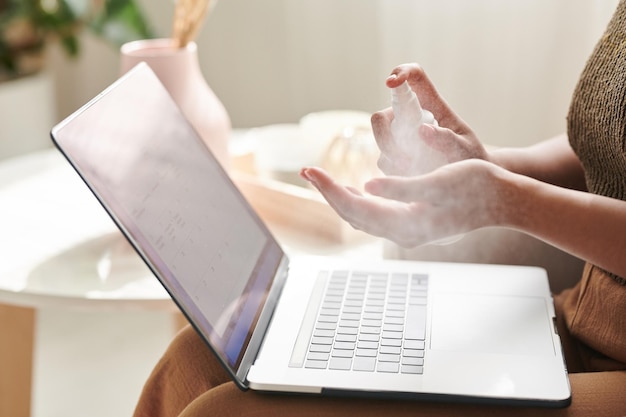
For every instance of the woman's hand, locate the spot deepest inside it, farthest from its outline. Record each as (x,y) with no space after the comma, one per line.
(453,137)
(413,211)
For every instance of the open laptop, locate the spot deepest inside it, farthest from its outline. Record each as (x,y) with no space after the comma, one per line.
(316,325)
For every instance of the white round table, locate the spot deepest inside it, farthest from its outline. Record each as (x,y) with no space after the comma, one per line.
(60,249)
(59,246)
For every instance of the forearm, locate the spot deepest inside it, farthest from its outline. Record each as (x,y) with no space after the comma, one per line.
(552,161)
(586,225)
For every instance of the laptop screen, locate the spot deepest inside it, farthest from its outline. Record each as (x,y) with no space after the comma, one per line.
(176,205)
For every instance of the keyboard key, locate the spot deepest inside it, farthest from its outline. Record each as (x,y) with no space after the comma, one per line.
(369,337)
(415,327)
(323,333)
(367,352)
(347,330)
(395,350)
(326,326)
(346,338)
(375,296)
(340,353)
(364,363)
(412,361)
(383,357)
(374,309)
(315,364)
(327,319)
(351,316)
(391,342)
(391,335)
(320,348)
(394,320)
(410,369)
(345,345)
(367,345)
(316,340)
(393,327)
(387,367)
(318,356)
(370,330)
(343,364)
(413,353)
(396,300)
(414,344)
(372,316)
(371,323)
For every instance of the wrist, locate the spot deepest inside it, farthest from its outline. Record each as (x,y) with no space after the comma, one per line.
(513,202)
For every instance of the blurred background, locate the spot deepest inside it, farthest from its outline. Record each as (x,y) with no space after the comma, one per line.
(507,67)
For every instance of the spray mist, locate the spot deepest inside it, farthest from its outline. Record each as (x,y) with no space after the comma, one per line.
(408,117)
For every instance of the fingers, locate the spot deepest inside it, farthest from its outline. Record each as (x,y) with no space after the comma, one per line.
(455,147)
(371,215)
(427,93)
(406,189)
(441,139)
(381,127)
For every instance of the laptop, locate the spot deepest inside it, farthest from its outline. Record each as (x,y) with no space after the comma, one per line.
(309,325)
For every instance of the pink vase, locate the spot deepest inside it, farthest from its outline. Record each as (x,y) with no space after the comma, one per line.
(179,71)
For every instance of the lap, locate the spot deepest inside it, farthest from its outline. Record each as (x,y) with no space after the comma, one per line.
(598,393)
(190,382)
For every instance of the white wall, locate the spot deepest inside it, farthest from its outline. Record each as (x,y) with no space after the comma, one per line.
(507,66)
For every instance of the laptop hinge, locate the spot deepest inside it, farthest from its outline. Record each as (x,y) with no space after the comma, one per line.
(258,334)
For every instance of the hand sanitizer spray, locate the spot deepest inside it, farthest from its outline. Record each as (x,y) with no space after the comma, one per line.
(421,158)
(408,117)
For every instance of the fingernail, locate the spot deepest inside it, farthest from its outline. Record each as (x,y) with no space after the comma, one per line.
(304,173)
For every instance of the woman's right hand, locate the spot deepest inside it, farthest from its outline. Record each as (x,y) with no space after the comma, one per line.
(453,138)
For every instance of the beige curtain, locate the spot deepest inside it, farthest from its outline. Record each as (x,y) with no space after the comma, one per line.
(507,66)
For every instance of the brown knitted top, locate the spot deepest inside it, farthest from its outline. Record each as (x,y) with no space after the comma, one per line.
(595,310)
(597,116)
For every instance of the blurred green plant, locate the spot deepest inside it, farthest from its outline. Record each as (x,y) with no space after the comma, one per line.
(27,26)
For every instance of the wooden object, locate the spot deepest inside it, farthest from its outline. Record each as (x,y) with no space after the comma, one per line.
(16,358)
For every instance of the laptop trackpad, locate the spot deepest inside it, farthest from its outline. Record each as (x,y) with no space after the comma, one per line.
(491,324)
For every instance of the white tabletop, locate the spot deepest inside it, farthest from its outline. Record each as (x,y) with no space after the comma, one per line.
(59,248)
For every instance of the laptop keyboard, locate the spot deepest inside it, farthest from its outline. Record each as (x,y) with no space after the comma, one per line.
(370,322)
